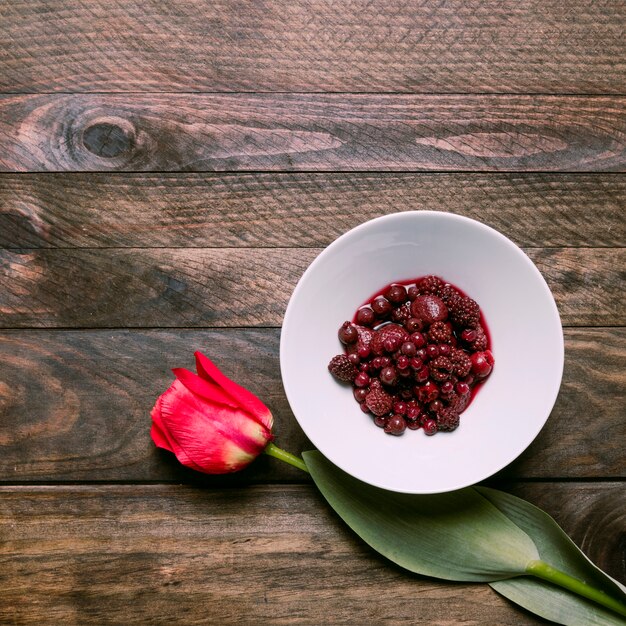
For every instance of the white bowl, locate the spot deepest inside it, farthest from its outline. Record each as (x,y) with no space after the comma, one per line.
(526,339)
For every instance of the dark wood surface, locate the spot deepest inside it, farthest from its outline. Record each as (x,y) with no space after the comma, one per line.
(121,253)
(295,132)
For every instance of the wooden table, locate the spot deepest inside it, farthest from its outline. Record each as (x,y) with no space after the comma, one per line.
(169,170)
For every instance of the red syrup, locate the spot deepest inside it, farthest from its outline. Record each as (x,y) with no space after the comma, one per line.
(434,327)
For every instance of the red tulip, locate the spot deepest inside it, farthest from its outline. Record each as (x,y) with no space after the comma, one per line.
(209,422)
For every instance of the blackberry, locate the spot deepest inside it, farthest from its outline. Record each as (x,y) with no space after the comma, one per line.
(441,368)
(430,284)
(465,313)
(447,419)
(440,332)
(461,363)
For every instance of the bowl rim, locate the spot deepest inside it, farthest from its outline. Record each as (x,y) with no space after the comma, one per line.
(421,214)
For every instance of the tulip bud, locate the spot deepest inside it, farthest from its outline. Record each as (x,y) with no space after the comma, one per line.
(209,422)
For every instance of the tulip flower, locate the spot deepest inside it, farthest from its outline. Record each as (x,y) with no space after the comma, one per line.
(212,424)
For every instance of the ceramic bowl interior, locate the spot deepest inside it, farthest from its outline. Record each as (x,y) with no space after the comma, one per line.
(526,340)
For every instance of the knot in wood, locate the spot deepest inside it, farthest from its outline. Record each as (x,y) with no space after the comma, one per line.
(107,140)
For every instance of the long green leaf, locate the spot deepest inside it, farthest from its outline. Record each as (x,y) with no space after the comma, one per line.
(557,549)
(456,536)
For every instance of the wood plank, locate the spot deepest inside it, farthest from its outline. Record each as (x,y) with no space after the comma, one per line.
(192,287)
(222,132)
(75,405)
(263,555)
(302,210)
(420,46)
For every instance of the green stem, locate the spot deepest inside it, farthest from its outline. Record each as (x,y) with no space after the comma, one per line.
(549,573)
(287,457)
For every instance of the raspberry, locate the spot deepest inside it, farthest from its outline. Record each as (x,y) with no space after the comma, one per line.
(379,402)
(390,331)
(447,419)
(460,402)
(341,367)
(429,309)
(440,368)
(465,313)
(480,343)
(430,284)
(461,363)
(401,314)
(440,332)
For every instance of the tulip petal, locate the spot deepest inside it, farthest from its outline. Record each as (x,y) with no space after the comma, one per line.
(245,399)
(157,433)
(204,388)
(210,437)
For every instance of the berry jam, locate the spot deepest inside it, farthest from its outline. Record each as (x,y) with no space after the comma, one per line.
(416,353)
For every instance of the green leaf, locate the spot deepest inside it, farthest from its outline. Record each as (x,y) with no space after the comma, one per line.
(557,549)
(456,536)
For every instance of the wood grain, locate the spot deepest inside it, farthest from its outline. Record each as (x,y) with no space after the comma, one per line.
(75,405)
(305,210)
(292,132)
(191,287)
(419,46)
(276,555)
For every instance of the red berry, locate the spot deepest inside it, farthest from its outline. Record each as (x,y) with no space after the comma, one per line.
(435,406)
(418,340)
(413,324)
(412,292)
(429,308)
(347,333)
(412,412)
(400,408)
(354,358)
(413,424)
(440,368)
(461,363)
(416,363)
(440,332)
(481,366)
(432,351)
(401,314)
(364,408)
(362,380)
(422,374)
(430,284)
(446,388)
(395,425)
(465,313)
(380,421)
(428,392)
(392,332)
(341,367)
(469,335)
(403,362)
(389,376)
(359,394)
(462,388)
(381,306)
(363,352)
(365,316)
(408,348)
(430,427)
(396,294)
(379,402)
(447,419)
